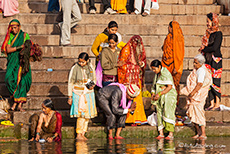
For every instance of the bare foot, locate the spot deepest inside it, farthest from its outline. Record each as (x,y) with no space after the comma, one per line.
(80,138)
(31,140)
(196,136)
(85,138)
(21,109)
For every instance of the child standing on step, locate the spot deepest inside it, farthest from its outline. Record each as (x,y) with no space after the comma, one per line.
(81,94)
(109,57)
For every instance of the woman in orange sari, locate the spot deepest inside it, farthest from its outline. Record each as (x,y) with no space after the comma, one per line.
(133,58)
(173,53)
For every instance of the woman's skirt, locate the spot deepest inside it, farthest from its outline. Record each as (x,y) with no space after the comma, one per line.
(91,110)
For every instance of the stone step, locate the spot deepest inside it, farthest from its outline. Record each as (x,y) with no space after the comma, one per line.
(47,29)
(62,76)
(66,63)
(60,102)
(46,18)
(182,9)
(24,117)
(160,2)
(60,89)
(87,40)
(151,53)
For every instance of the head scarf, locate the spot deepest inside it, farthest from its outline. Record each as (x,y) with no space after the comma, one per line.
(7,37)
(134,56)
(209,31)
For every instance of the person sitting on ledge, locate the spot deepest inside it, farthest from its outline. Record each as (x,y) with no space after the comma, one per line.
(112,100)
(48,125)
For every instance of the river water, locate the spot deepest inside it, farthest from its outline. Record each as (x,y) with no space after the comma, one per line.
(213,145)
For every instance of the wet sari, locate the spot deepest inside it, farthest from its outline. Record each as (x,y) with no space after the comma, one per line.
(132,72)
(173,53)
(18,83)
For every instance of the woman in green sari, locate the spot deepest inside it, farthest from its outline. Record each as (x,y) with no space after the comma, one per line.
(17,82)
(164,97)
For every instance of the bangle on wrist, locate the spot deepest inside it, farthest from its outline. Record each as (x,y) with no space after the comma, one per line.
(54,137)
(159,94)
(38,133)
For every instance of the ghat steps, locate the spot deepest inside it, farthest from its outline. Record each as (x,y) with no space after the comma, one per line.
(153,29)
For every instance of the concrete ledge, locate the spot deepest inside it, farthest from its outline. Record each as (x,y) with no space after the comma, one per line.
(128,132)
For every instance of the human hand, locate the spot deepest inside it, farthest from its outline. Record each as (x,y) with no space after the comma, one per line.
(70,100)
(50,139)
(191,95)
(141,63)
(133,106)
(120,63)
(91,88)
(156,97)
(153,95)
(37,137)
(174,71)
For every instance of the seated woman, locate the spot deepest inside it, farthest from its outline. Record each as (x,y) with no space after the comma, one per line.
(48,125)
(109,57)
(164,96)
(198,83)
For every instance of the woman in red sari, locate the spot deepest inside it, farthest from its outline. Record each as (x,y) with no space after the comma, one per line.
(47,125)
(133,58)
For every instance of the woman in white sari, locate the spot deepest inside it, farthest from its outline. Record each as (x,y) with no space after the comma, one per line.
(198,83)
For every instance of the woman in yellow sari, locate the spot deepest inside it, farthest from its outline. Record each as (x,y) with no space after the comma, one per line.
(173,52)
(119,6)
(133,58)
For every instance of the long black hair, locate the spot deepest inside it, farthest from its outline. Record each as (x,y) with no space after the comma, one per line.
(155,63)
(48,103)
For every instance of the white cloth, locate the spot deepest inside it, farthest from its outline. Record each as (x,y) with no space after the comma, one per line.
(138,6)
(201,72)
(224,108)
(69,8)
(152,119)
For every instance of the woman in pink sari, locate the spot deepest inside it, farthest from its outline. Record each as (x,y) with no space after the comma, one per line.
(198,83)
(9,7)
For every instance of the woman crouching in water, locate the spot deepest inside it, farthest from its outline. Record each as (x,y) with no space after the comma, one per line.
(48,124)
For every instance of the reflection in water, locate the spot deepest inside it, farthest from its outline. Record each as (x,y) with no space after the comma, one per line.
(81,147)
(129,146)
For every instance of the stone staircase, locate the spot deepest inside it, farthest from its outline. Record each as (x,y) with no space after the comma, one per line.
(153,29)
